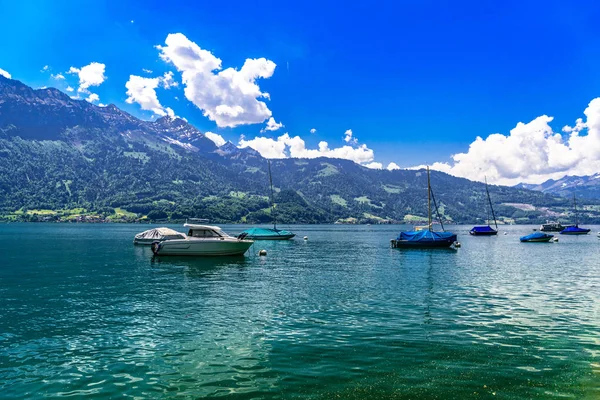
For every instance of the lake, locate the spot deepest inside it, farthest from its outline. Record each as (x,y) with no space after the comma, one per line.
(84,312)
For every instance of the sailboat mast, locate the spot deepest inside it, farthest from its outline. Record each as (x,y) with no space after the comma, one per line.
(490,202)
(272,198)
(428,199)
(575,207)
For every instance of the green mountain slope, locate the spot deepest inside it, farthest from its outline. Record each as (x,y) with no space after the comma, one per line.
(58,155)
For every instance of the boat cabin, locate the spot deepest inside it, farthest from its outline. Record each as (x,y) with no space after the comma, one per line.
(204,231)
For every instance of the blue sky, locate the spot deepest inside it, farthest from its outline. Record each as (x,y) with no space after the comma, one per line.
(416,82)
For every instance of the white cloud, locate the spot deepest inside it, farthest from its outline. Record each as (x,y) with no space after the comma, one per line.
(313,130)
(229,97)
(392,166)
(167,80)
(285,146)
(143,92)
(148,71)
(5,74)
(374,165)
(348,137)
(215,137)
(58,77)
(101,105)
(90,75)
(46,68)
(69,89)
(93,97)
(532,152)
(272,125)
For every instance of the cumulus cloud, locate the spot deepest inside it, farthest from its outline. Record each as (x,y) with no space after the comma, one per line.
(392,166)
(313,130)
(230,97)
(58,77)
(93,97)
(348,137)
(374,165)
(215,137)
(272,125)
(148,71)
(5,74)
(46,68)
(167,81)
(69,89)
(89,75)
(286,146)
(143,92)
(532,152)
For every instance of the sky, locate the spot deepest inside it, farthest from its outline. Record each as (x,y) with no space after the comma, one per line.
(504,90)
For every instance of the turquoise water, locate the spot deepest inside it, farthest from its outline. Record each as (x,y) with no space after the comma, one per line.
(342,315)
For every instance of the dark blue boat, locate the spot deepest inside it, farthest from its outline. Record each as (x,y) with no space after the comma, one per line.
(425,239)
(537,237)
(486,230)
(483,231)
(574,230)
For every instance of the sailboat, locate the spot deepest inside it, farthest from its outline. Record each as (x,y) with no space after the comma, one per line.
(426,238)
(269,233)
(486,230)
(575,229)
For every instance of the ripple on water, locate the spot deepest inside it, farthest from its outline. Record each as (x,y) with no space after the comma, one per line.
(341,315)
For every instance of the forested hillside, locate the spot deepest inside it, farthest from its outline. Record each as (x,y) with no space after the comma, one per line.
(66,159)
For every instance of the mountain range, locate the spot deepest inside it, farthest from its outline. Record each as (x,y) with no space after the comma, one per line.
(586,187)
(61,156)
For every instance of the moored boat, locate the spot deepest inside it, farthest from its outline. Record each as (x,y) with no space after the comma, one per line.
(486,230)
(150,236)
(536,237)
(203,240)
(269,233)
(551,226)
(575,229)
(425,238)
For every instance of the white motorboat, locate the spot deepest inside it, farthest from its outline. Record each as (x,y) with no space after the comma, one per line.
(157,235)
(203,240)
(551,226)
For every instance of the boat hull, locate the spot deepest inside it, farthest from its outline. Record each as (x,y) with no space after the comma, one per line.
(541,240)
(475,233)
(274,237)
(425,244)
(557,229)
(201,248)
(536,237)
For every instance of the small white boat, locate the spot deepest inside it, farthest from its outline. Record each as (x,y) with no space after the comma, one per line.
(203,240)
(157,235)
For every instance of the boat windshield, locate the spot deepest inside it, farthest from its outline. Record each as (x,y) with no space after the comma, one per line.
(203,233)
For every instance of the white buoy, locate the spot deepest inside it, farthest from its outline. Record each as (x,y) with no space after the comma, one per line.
(457,244)
(305,237)
(505,233)
(262,252)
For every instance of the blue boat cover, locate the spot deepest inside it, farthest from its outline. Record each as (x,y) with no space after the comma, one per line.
(574,229)
(264,232)
(426,236)
(483,229)
(535,235)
